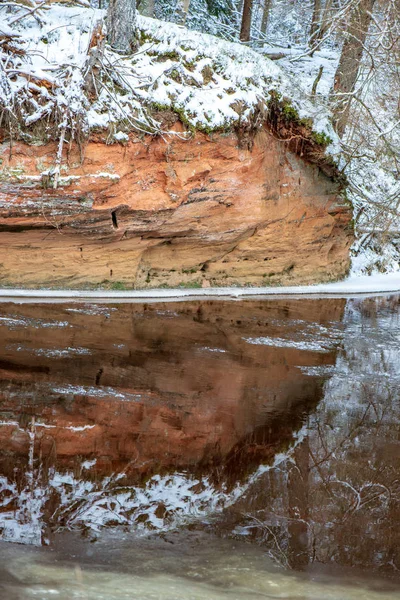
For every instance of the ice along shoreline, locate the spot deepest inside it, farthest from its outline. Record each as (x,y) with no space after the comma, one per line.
(362,285)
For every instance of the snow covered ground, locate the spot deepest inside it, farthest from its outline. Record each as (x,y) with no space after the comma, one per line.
(367,284)
(210,82)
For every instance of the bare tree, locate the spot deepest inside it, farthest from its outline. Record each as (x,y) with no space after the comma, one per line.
(350,58)
(246,21)
(121,25)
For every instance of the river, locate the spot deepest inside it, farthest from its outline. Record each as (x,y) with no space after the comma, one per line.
(200,449)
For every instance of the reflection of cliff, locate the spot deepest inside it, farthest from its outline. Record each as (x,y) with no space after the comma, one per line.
(131,391)
(337,500)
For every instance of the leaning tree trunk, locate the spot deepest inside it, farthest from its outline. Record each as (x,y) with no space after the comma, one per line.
(349,63)
(265,15)
(246,21)
(121,25)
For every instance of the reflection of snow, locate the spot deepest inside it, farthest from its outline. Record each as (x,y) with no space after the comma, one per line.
(18,321)
(23,523)
(162,503)
(93,309)
(98,392)
(281,343)
(52,352)
(207,349)
(321,371)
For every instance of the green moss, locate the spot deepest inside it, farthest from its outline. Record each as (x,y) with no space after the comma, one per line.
(190,285)
(145,37)
(192,270)
(289,112)
(168,55)
(186,48)
(158,106)
(175,75)
(118,285)
(204,128)
(112,285)
(321,138)
(183,117)
(351,225)
(8,174)
(190,65)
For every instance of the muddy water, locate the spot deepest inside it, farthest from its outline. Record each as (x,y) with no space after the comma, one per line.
(201,449)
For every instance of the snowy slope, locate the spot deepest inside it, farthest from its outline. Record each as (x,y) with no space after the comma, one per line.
(212,84)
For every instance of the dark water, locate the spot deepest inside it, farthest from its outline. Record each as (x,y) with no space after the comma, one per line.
(202,449)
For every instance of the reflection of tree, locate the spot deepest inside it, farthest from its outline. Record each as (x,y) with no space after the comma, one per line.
(338,498)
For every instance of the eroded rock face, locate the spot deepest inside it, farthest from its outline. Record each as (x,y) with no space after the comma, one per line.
(169,212)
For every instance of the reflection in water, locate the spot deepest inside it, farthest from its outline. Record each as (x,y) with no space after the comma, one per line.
(144,416)
(271,421)
(337,500)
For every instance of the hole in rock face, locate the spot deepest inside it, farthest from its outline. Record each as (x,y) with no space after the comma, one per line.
(114,219)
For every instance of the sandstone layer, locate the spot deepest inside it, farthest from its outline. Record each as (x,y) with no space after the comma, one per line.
(169,212)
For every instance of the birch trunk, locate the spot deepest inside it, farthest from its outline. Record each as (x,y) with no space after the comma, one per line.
(121,25)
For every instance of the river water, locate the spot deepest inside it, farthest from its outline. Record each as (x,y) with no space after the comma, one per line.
(208,449)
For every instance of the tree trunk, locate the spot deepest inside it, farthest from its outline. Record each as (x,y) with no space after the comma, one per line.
(323,24)
(121,25)
(316,19)
(183,9)
(246,21)
(349,63)
(265,15)
(147,8)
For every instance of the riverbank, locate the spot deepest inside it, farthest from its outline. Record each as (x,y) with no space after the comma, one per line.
(363,285)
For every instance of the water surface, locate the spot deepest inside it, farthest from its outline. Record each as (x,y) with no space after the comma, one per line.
(201,449)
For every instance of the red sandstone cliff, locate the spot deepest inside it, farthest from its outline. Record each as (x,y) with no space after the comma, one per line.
(169,212)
